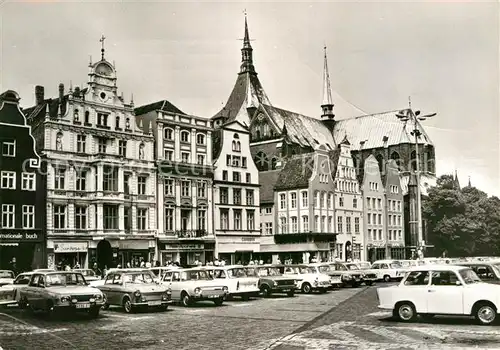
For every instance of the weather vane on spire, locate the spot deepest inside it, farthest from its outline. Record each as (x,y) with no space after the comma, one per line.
(102,45)
(409,101)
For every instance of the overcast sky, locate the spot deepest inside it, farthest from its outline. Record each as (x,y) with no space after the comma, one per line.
(444,55)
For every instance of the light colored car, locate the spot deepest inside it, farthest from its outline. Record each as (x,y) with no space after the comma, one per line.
(441,289)
(388,270)
(367,277)
(55,291)
(327,269)
(160,271)
(309,279)
(133,289)
(21,281)
(240,282)
(89,274)
(195,284)
(6,277)
(349,277)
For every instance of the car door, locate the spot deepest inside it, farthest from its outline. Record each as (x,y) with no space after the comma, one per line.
(376,269)
(415,288)
(175,283)
(107,289)
(445,293)
(29,291)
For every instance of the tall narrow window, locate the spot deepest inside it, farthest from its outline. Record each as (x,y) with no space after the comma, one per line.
(202,219)
(305,223)
(169,187)
(81,180)
(141,184)
(169,219)
(305,201)
(237,219)
(293,200)
(28,181)
(80,217)
(59,178)
(59,216)
(81,143)
(250,220)
(142,219)
(28,216)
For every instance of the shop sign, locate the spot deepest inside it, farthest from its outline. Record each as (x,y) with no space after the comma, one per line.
(20,236)
(247,239)
(134,245)
(184,247)
(70,247)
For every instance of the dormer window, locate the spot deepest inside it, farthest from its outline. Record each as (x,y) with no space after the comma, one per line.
(117,122)
(168,134)
(185,136)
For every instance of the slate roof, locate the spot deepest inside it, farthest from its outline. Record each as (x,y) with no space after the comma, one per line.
(163,105)
(373,128)
(267,180)
(296,172)
(247,92)
(54,107)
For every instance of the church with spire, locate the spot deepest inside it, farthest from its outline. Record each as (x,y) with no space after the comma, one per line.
(101,173)
(285,144)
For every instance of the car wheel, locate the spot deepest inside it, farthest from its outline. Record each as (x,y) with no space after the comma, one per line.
(306,288)
(94,312)
(218,302)
(266,291)
(485,314)
(291,293)
(405,312)
(127,305)
(186,300)
(387,278)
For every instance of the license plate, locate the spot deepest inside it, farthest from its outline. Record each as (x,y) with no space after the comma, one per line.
(154,303)
(83,306)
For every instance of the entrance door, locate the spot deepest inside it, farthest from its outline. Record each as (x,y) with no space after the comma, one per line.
(183,259)
(104,254)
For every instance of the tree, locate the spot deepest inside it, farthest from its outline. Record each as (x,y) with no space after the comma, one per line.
(462,222)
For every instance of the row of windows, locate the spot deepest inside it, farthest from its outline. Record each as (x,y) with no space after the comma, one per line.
(110,217)
(102,146)
(185,219)
(373,186)
(393,235)
(237,196)
(9,216)
(320,226)
(321,200)
(9,148)
(168,134)
(102,119)
(394,220)
(8,181)
(394,189)
(236,176)
(237,220)
(185,188)
(169,155)
(346,172)
(347,186)
(236,161)
(373,221)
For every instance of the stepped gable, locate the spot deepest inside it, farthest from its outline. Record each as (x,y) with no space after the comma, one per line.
(296,172)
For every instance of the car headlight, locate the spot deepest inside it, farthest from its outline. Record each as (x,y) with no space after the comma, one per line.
(197,290)
(65,299)
(164,296)
(137,293)
(97,296)
(347,277)
(169,291)
(225,289)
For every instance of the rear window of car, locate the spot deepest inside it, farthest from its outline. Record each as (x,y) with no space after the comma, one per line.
(417,278)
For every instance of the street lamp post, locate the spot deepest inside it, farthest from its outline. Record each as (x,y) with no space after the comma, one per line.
(416,134)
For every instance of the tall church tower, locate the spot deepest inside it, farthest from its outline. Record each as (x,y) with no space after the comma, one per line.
(327,106)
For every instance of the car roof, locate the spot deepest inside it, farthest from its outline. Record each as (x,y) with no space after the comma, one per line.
(446,267)
(226,266)
(130,270)
(6,271)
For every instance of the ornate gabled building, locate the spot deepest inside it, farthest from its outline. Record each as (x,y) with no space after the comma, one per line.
(22,191)
(100,173)
(183,154)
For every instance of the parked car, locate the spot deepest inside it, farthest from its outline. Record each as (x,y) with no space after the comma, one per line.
(194,284)
(367,277)
(160,271)
(21,281)
(272,281)
(240,282)
(388,270)
(441,289)
(133,289)
(56,291)
(327,269)
(89,274)
(6,277)
(309,278)
(488,272)
(348,277)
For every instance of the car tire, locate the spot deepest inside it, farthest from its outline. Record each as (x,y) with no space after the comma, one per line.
(219,301)
(290,293)
(94,312)
(186,300)
(387,278)
(266,291)
(485,313)
(127,305)
(405,311)
(306,288)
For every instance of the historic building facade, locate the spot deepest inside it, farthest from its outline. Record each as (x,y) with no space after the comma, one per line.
(348,208)
(183,153)
(236,193)
(22,235)
(394,212)
(100,174)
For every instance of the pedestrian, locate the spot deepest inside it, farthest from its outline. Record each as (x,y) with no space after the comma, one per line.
(148,265)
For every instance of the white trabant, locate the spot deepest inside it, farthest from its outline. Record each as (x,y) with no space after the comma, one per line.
(241,282)
(388,270)
(441,289)
(308,278)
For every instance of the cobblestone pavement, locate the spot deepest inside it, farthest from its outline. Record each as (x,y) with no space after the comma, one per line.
(358,324)
(236,325)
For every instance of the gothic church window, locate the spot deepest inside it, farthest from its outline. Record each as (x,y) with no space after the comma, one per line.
(261,161)
(396,158)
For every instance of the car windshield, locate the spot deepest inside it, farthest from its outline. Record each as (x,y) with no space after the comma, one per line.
(138,277)
(195,275)
(251,272)
(469,276)
(64,279)
(405,263)
(6,274)
(340,267)
(352,266)
(236,273)
(324,268)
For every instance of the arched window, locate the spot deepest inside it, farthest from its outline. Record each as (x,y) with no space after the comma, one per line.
(396,158)
(261,161)
(236,136)
(168,134)
(265,130)
(87,117)
(257,134)
(117,122)
(184,136)
(200,139)
(413,161)
(76,116)
(380,161)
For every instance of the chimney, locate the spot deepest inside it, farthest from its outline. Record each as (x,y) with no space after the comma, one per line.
(39,94)
(61,92)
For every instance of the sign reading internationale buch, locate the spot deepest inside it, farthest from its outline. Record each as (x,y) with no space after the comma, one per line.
(21,236)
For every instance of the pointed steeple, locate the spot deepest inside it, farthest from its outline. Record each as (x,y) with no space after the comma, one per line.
(246,53)
(470,185)
(327,105)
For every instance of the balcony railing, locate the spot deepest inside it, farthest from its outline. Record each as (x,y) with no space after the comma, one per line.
(191,234)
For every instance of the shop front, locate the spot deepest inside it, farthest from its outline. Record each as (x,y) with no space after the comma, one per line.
(70,254)
(297,253)
(22,250)
(186,254)
(133,252)
(237,250)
